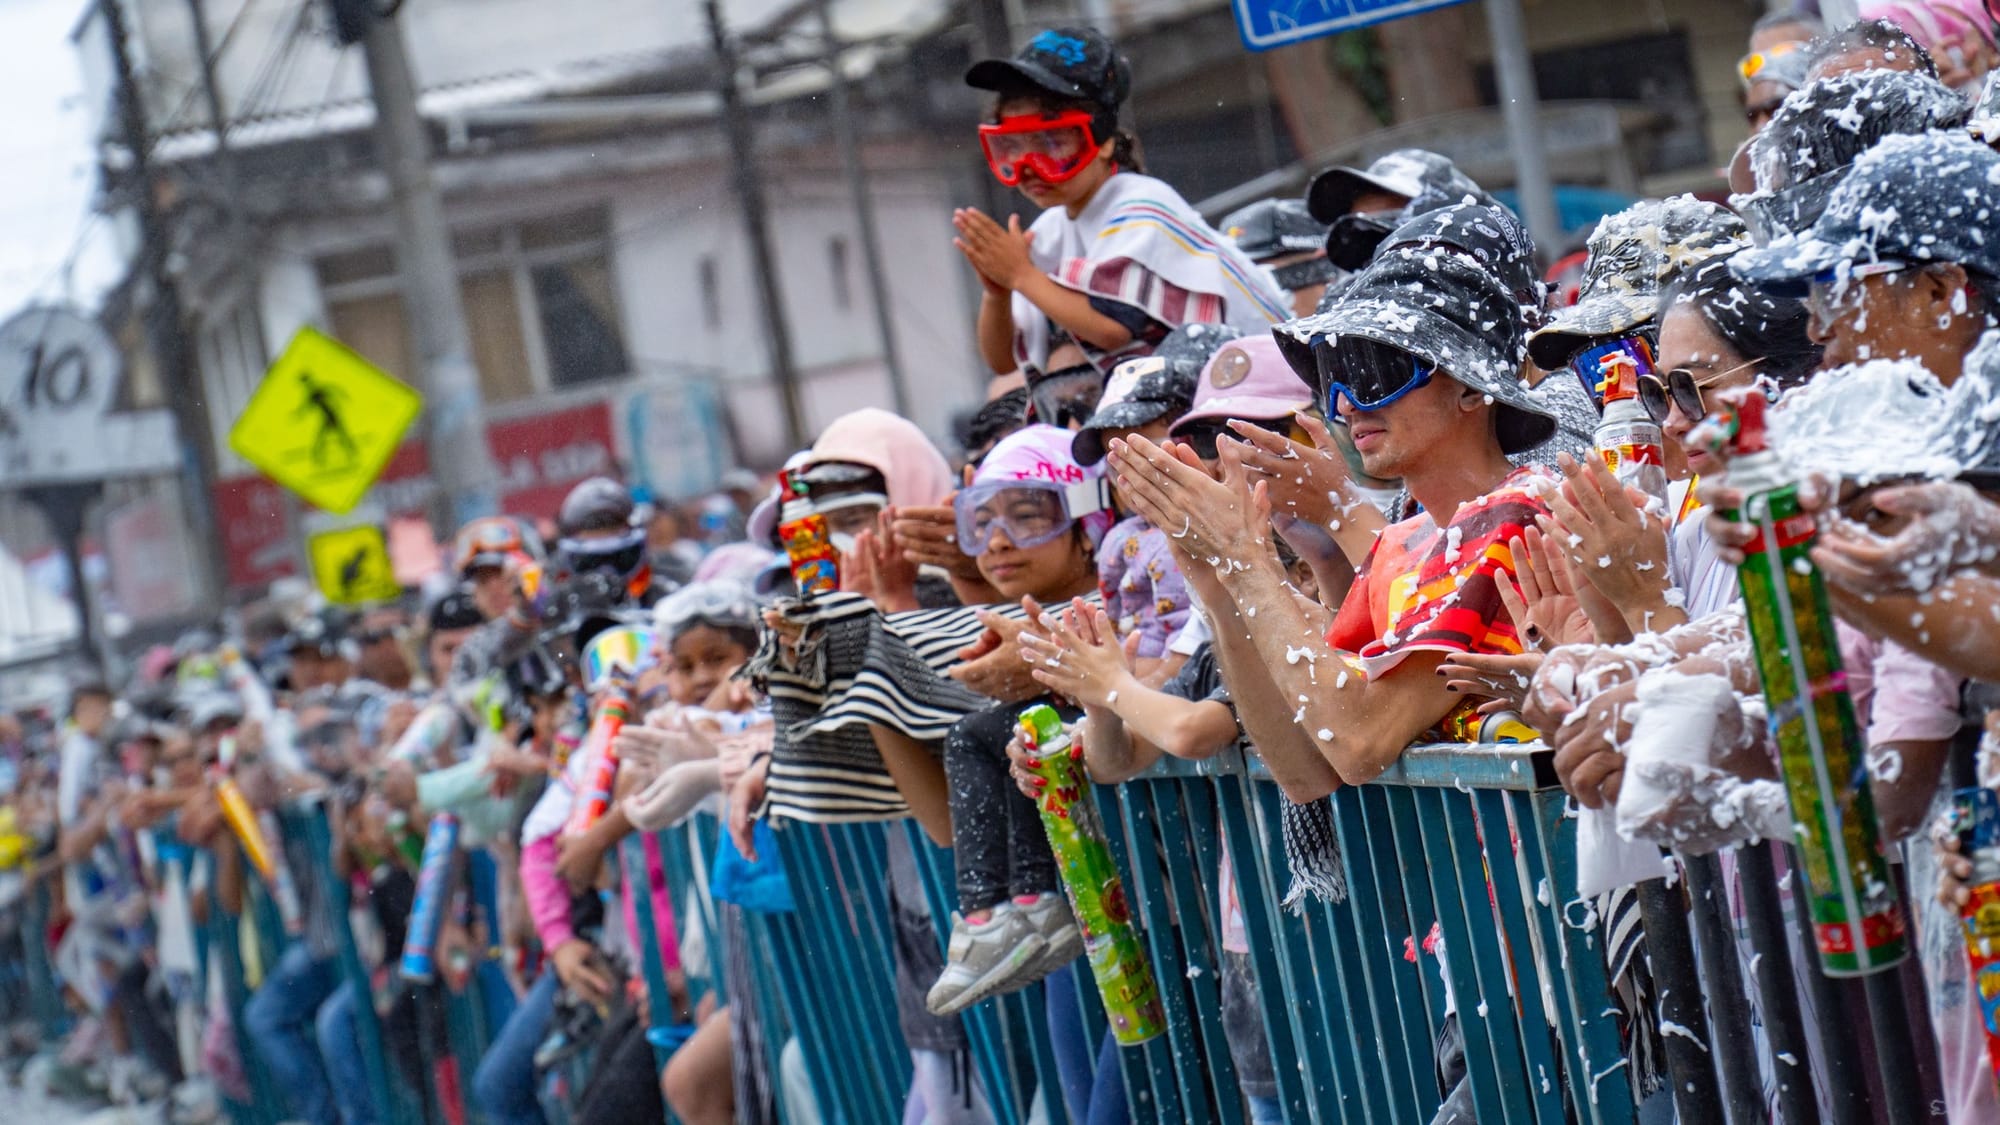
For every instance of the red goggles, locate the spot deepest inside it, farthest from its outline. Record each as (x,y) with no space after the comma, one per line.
(1055,147)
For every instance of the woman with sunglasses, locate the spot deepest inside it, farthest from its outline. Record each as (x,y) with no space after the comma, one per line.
(1117,259)
(1716,334)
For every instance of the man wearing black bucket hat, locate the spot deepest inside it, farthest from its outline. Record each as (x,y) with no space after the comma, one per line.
(1419,358)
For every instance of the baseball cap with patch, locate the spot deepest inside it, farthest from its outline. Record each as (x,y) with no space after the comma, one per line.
(1069,62)
(1248,378)
(1634,254)
(1139,391)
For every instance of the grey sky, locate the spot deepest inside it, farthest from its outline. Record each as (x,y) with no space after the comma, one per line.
(46,151)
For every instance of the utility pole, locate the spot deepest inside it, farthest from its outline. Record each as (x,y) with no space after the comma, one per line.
(750,194)
(165,320)
(848,138)
(454,423)
(218,118)
(1520,107)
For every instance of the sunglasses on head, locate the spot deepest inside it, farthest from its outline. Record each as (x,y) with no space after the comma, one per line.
(1369,375)
(1751,65)
(1658,396)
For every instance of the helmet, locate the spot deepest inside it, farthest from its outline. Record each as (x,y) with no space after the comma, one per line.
(597,504)
(491,541)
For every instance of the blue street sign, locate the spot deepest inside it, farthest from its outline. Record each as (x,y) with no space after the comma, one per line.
(1274,23)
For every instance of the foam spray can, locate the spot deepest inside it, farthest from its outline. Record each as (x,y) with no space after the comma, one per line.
(1631,443)
(1976,821)
(1090,877)
(1856,911)
(807,539)
(433,897)
(594,799)
(238,814)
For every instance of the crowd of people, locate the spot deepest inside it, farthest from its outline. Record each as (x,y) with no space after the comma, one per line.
(1317,484)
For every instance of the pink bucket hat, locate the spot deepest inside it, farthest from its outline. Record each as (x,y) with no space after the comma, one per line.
(1247,378)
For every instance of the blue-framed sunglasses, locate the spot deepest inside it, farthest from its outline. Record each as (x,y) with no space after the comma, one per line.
(1368,374)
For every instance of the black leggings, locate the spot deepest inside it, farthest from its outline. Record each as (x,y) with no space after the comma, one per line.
(997,839)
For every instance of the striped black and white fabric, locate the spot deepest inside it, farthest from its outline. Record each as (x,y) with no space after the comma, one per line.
(855,666)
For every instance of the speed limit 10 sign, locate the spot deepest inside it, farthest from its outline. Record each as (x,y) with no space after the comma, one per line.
(59,377)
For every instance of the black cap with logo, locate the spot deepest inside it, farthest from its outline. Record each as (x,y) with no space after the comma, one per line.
(1076,63)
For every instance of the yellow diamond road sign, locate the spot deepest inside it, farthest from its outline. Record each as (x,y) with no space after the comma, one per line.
(351,566)
(324,421)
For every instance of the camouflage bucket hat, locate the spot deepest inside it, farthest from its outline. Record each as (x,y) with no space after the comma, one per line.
(1633,255)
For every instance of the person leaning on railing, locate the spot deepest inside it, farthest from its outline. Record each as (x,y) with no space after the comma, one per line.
(1419,358)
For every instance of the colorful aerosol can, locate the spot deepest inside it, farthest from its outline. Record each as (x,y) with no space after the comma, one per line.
(1856,911)
(1090,877)
(427,735)
(614,706)
(237,813)
(807,539)
(433,898)
(1976,821)
(1631,443)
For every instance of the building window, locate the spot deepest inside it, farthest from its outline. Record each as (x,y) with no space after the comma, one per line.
(836,265)
(540,304)
(711,292)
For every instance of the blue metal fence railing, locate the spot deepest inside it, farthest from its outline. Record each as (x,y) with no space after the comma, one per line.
(1461,921)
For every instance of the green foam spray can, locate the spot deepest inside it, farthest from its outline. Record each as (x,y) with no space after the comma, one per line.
(1856,912)
(1090,877)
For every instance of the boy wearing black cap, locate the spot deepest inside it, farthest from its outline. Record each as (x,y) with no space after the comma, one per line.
(1117,259)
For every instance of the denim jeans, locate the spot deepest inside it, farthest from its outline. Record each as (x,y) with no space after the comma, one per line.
(340,1047)
(1266,1111)
(1094,1098)
(504,1085)
(279,1018)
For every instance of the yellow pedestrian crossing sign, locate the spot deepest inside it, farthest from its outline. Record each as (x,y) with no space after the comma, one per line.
(324,421)
(351,566)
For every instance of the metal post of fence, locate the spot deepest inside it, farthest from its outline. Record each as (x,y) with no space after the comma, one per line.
(1683,1025)
(1846,1082)
(1895,1046)
(1777,988)
(1731,1043)
(319,836)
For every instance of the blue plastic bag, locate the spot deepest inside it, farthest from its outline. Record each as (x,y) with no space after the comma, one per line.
(758,885)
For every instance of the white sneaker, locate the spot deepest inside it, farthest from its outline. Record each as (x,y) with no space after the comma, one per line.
(1052,919)
(983,959)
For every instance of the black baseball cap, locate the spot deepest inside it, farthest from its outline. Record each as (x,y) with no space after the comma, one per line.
(1139,391)
(1076,63)
(1426,180)
(456,610)
(320,633)
(1408,172)
(1273,228)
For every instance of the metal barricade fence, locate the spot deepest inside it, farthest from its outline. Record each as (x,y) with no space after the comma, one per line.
(1470,842)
